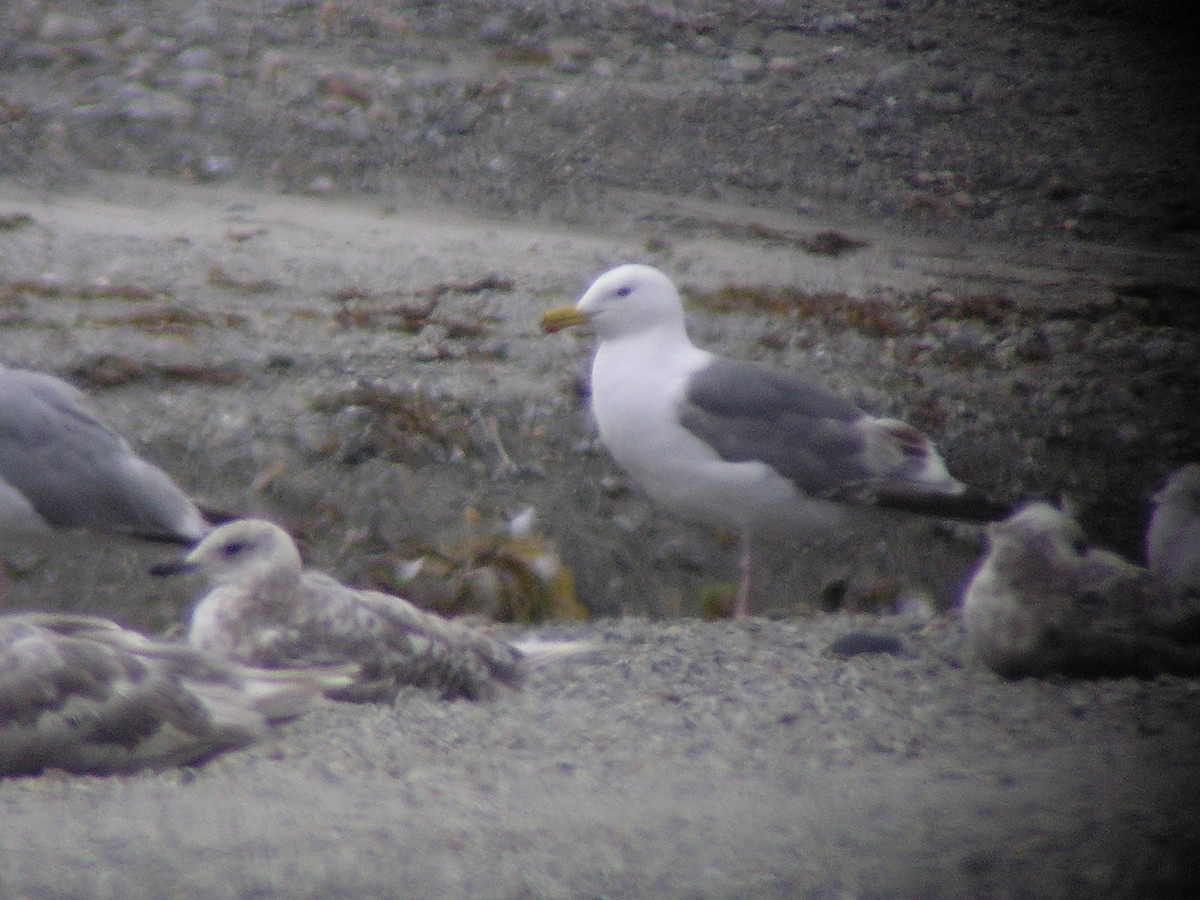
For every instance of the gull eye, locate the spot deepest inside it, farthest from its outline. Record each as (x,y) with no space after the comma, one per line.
(624,291)
(233,548)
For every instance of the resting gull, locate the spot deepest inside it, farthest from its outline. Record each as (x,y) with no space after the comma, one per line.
(265,609)
(1042,602)
(1173,538)
(61,467)
(82,694)
(741,446)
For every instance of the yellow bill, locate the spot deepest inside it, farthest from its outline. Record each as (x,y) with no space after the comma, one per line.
(561,317)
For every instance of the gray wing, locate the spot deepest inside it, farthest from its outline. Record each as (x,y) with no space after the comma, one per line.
(76,471)
(750,412)
(821,442)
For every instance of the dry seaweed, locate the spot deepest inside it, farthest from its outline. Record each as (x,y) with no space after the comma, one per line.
(502,570)
(113,370)
(97,290)
(820,243)
(402,425)
(14,221)
(219,277)
(173,320)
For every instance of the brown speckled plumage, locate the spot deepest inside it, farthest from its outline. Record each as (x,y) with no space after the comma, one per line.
(265,609)
(82,694)
(1042,602)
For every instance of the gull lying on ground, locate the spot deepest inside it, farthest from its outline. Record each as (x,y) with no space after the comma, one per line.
(265,609)
(82,694)
(1173,538)
(738,445)
(1041,602)
(62,467)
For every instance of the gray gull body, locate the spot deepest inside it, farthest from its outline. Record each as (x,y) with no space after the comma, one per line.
(741,446)
(1042,602)
(82,694)
(1173,538)
(265,609)
(62,467)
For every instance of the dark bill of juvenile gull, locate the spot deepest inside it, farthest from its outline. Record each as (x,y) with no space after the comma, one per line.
(1173,538)
(84,695)
(265,609)
(62,467)
(1041,602)
(741,446)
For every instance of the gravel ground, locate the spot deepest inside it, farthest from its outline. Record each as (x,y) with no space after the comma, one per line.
(685,759)
(224,220)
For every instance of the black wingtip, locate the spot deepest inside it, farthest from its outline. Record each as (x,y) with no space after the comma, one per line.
(969,506)
(174,567)
(214,516)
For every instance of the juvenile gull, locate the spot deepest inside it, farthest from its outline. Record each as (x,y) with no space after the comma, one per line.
(1173,538)
(62,467)
(85,695)
(741,446)
(265,609)
(1042,602)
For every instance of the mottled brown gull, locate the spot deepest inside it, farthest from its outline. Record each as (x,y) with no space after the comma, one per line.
(264,608)
(1042,602)
(740,446)
(82,694)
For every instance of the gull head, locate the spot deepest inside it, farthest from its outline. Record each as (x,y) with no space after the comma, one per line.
(1182,489)
(244,551)
(630,299)
(1039,531)
(1038,523)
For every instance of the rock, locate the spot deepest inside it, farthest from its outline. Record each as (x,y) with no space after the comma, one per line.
(923,41)
(61,29)
(844,22)
(196,58)
(497,29)
(159,107)
(215,168)
(133,39)
(987,89)
(948,102)
(894,75)
(1090,206)
(784,65)
(198,81)
(746,64)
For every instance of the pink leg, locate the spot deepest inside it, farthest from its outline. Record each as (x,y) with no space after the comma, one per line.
(741,607)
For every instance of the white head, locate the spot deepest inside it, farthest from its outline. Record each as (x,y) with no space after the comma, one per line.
(629,299)
(248,550)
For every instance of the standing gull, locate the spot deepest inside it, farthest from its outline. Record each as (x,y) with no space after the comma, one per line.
(1043,602)
(741,446)
(61,467)
(1173,538)
(265,609)
(82,694)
